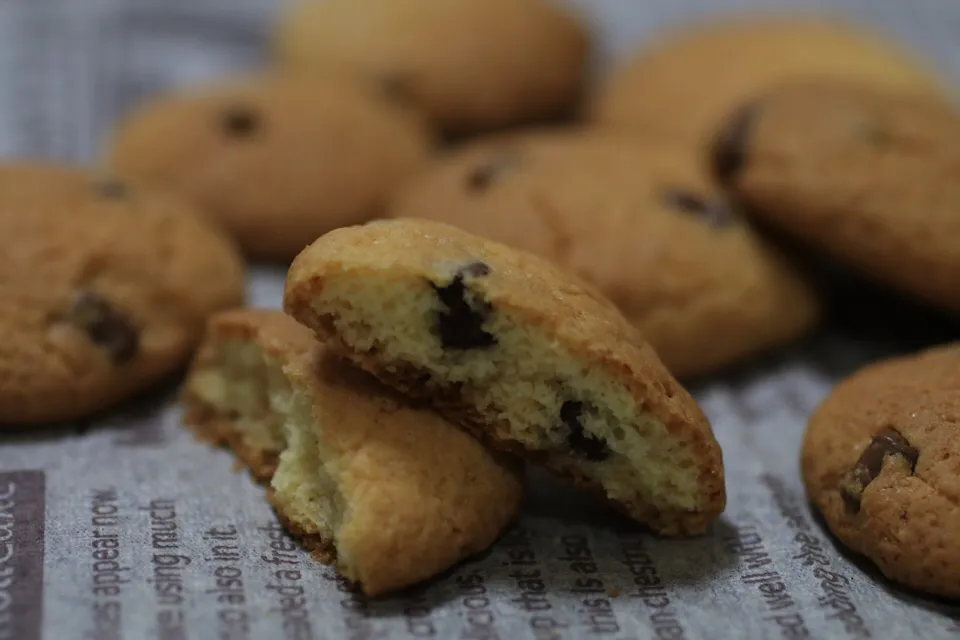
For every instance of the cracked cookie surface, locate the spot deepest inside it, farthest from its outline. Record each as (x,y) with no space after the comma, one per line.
(642,222)
(388,492)
(276,159)
(867,177)
(881,461)
(564,379)
(104,288)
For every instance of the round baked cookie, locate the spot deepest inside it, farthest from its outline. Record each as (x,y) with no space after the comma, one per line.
(881,461)
(870,178)
(688,79)
(471,65)
(523,354)
(277,159)
(389,492)
(104,288)
(644,223)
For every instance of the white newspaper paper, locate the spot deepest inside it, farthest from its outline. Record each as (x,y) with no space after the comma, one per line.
(125,528)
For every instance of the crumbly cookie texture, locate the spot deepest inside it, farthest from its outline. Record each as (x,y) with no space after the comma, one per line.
(105,287)
(526,356)
(881,461)
(470,65)
(643,222)
(869,177)
(277,159)
(390,493)
(685,82)
(226,396)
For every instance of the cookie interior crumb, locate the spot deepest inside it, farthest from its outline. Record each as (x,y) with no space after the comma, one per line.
(234,388)
(523,387)
(270,413)
(388,492)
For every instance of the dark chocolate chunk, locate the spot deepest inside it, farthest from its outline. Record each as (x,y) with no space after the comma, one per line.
(460,322)
(582,443)
(240,121)
(718,213)
(489,171)
(888,442)
(729,153)
(107,327)
(113,189)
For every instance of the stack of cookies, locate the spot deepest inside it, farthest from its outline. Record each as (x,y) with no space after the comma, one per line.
(493,261)
(415,366)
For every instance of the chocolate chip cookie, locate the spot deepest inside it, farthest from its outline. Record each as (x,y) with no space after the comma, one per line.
(525,355)
(471,65)
(104,288)
(390,493)
(868,177)
(686,81)
(880,460)
(276,159)
(645,223)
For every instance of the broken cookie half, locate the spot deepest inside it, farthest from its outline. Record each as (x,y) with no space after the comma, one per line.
(520,353)
(389,493)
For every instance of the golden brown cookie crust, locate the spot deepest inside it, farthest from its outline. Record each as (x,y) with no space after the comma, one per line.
(472,65)
(897,502)
(643,222)
(418,494)
(576,317)
(866,176)
(277,159)
(685,82)
(105,287)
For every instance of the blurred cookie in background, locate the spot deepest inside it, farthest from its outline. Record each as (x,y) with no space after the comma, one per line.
(105,288)
(687,79)
(644,223)
(472,65)
(868,177)
(277,159)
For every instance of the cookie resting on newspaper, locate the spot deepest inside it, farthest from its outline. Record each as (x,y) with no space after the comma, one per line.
(389,493)
(528,357)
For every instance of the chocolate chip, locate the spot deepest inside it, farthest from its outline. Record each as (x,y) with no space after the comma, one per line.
(888,442)
(729,153)
(716,212)
(239,121)
(106,327)
(396,86)
(460,323)
(113,189)
(582,443)
(491,170)
(873,133)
